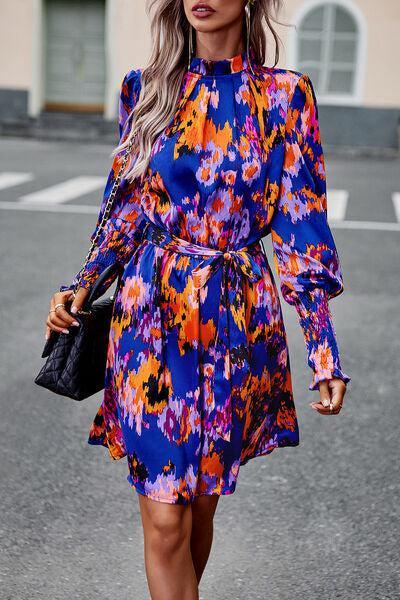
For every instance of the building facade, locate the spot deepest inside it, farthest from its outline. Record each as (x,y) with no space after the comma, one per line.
(70,55)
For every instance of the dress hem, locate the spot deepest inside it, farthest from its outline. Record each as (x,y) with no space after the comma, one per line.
(227,492)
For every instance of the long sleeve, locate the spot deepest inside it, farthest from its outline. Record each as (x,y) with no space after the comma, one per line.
(305,255)
(121,234)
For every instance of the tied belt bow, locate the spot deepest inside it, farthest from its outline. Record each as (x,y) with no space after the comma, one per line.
(231,360)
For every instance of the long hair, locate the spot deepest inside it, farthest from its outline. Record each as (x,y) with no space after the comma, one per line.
(161,79)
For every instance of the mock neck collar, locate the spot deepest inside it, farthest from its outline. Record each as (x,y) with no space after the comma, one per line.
(223,66)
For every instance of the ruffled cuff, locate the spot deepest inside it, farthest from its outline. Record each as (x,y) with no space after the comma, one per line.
(116,243)
(87,278)
(327,374)
(65,287)
(320,337)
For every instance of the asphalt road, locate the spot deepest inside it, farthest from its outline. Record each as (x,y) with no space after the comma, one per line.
(320,521)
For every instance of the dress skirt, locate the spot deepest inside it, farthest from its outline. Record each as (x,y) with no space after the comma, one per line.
(185,404)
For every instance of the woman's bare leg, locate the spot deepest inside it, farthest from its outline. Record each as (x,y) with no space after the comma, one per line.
(169,566)
(203,509)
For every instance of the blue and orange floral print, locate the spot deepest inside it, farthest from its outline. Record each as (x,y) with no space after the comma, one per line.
(198,375)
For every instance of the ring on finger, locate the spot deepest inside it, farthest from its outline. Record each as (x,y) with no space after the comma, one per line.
(60,304)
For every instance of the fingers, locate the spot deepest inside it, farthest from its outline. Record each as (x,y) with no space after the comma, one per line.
(63,318)
(53,322)
(53,326)
(58,318)
(324,394)
(331,397)
(79,300)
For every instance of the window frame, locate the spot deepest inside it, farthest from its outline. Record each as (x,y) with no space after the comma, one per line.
(361,48)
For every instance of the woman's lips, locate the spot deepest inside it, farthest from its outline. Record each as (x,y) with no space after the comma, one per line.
(202,11)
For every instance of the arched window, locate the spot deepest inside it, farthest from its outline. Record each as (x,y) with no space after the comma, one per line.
(328,48)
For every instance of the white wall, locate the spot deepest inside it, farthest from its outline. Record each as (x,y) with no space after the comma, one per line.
(15,43)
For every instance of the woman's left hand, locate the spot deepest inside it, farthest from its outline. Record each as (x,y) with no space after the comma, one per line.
(331,394)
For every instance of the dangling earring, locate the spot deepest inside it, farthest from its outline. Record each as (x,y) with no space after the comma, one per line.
(247,9)
(190,45)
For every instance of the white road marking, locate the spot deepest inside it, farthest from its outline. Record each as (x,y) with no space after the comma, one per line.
(90,210)
(62,192)
(12,179)
(367,225)
(57,208)
(396,204)
(337,204)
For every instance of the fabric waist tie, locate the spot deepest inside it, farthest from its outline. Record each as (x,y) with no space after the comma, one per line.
(231,359)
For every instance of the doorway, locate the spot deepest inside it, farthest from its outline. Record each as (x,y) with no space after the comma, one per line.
(75,63)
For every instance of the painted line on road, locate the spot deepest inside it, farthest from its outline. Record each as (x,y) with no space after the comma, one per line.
(11,179)
(57,208)
(90,210)
(337,204)
(367,225)
(396,204)
(63,192)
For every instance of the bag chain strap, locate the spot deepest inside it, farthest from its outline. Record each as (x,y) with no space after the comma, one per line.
(107,210)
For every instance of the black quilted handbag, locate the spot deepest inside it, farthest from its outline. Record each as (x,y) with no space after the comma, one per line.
(76,361)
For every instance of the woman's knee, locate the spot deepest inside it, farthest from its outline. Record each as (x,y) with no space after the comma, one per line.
(167,527)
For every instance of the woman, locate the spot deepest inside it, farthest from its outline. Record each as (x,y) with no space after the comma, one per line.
(224,152)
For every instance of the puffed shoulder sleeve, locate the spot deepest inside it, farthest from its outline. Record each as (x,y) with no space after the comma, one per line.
(121,234)
(305,254)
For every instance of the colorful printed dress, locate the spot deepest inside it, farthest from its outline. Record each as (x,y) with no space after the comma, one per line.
(198,376)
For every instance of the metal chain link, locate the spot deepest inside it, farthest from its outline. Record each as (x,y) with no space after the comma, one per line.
(107,210)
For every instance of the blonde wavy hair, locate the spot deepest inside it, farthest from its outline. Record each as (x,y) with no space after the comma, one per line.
(161,79)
